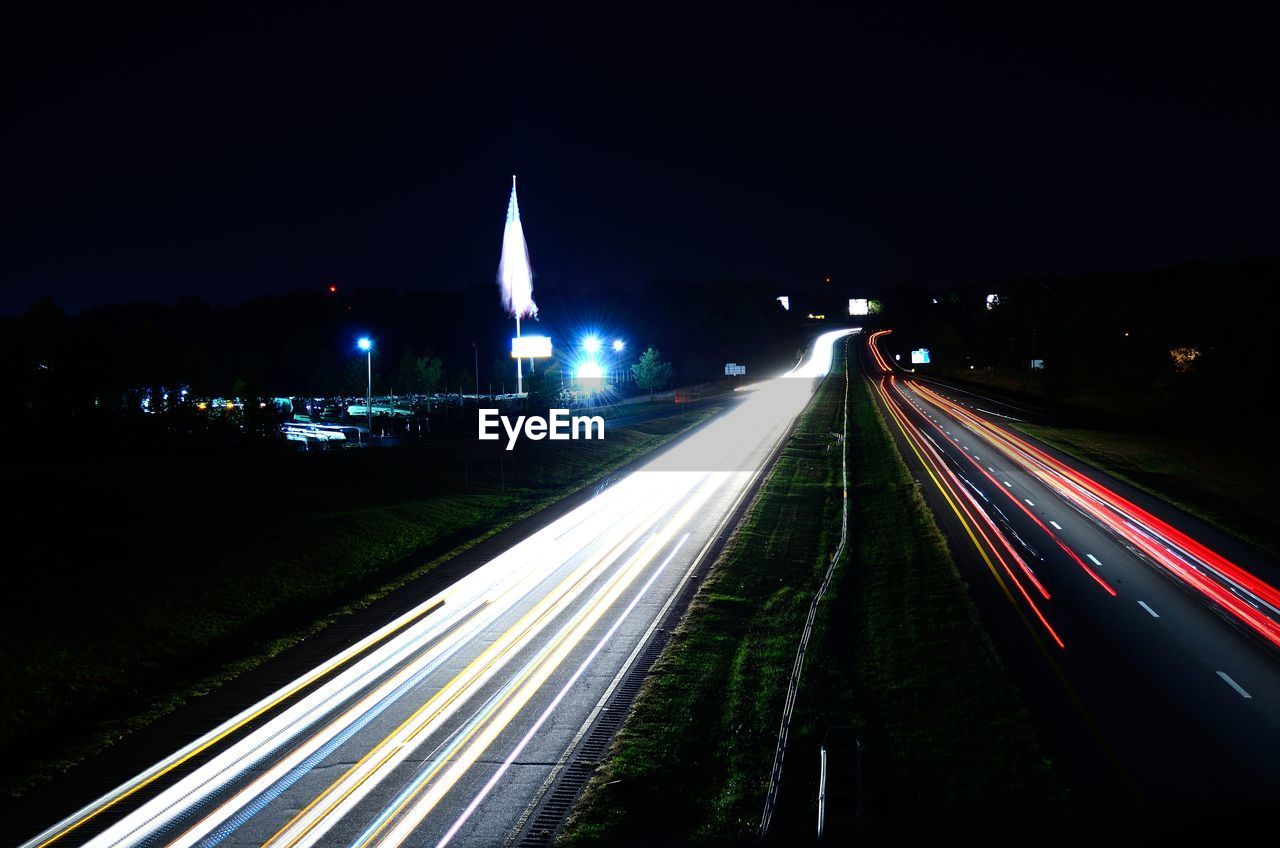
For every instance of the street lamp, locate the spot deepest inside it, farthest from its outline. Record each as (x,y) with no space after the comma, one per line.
(591,344)
(619,345)
(366,344)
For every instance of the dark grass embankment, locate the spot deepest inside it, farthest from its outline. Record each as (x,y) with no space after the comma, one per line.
(897,651)
(132,586)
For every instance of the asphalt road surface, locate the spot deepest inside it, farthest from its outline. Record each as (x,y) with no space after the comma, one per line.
(445,725)
(1144,640)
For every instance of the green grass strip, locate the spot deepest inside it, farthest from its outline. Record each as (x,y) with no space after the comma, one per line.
(897,651)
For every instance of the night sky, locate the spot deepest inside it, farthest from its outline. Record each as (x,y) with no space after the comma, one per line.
(154,153)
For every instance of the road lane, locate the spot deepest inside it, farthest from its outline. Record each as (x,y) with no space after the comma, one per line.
(440,727)
(1145,626)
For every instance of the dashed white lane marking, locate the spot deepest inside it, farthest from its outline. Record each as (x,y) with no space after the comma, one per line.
(1028,500)
(1007,483)
(1093,559)
(1056,525)
(992,470)
(1236,686)
(1143,604)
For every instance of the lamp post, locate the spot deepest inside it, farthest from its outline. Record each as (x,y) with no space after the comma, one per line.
(366,344)
(618,347)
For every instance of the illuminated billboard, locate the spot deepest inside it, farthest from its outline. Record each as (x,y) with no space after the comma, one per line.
(858,306)
(530,347)
(920,357)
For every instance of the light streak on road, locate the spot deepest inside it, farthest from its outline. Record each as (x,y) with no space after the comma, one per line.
(1226,586)
(392,739)
(977,524)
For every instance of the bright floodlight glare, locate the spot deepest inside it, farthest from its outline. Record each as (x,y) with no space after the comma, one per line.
(619,345)
(591,344)
(589,369)
(364,343)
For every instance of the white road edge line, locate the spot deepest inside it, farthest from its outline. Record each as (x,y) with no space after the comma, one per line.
(641,645)
(1143,604)
(1236,686)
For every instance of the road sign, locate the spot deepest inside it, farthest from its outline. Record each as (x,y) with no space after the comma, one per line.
(733,369)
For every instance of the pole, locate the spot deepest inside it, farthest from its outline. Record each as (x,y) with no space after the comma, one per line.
(519,364)
(475,353)
(368,398)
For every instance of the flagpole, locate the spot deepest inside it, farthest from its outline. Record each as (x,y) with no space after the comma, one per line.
(519,364)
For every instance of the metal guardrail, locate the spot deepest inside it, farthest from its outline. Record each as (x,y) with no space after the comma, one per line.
(793,685)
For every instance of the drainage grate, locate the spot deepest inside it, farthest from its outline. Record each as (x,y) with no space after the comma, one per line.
(541,830)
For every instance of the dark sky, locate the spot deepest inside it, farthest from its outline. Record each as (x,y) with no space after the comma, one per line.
(153,153)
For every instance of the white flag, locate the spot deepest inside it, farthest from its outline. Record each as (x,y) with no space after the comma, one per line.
(514,274)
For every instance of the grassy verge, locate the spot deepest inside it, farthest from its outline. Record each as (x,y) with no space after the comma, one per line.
(140,585)
(698,746)
(1227,482)
(900,653)
(897,651)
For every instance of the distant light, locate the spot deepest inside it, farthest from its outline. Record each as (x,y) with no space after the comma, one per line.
(828,281)
(365,343)
(333,289)
(993,300)
(591,344)
(786,302)
(619,345)
(859,306)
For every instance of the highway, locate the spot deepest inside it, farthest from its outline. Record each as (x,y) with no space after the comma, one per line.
(448,724)
(1145,643)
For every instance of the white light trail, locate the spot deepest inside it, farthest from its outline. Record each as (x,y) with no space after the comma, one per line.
(578,565)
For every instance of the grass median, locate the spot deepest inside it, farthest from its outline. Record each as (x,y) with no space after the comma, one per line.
(897,651)
(137,585)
